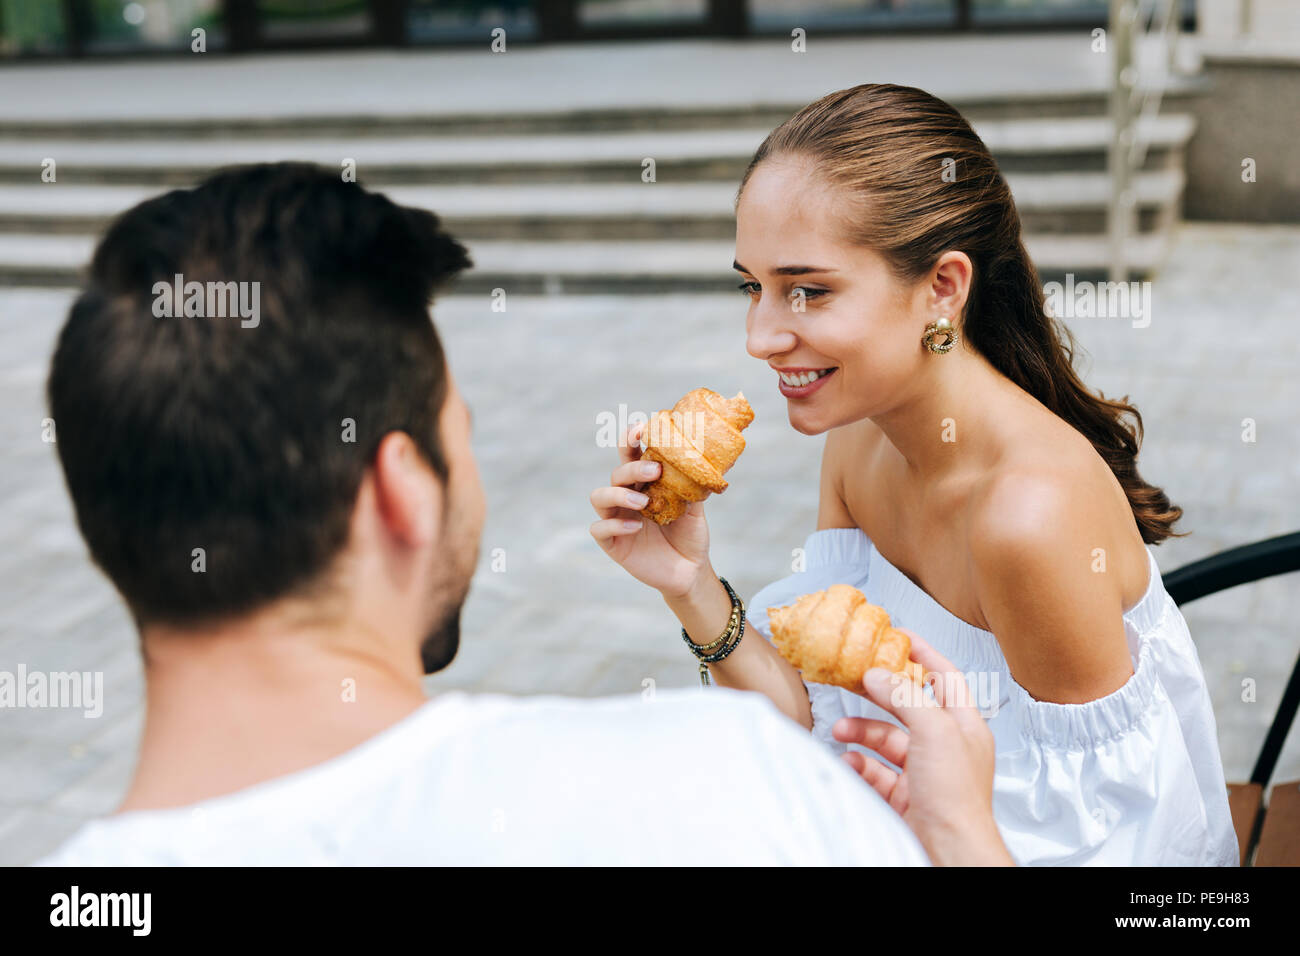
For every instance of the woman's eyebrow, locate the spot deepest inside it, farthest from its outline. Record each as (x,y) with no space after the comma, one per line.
(787,270)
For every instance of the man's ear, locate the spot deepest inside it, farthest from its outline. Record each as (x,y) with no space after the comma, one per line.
(407,492)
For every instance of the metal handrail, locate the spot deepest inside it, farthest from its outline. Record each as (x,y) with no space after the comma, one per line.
(1152,93)
(1134,105)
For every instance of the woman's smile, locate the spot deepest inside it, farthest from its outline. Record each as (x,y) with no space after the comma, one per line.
(801,382)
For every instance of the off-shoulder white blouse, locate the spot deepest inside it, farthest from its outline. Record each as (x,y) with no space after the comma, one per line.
(1132,778)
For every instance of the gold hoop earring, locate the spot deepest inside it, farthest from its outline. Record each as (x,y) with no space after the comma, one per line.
(942,327)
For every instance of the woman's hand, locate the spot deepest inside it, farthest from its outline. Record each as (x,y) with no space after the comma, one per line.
(675,559)
(670,558)
(945,790)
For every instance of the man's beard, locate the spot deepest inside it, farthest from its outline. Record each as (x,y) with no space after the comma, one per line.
(439,647)
(460,543)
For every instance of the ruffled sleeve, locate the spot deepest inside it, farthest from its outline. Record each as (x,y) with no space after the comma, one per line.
(1106,782)
(830,556)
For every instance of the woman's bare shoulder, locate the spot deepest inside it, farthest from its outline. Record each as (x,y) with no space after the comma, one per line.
(1051,533)
(1061,474)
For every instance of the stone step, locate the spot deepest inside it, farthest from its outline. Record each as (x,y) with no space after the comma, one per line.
(587,267)
(337,122)
(1038,144)
(547,157)
(1064,202)
(662,83)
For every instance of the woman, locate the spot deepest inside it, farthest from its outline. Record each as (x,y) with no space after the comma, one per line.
(971,485)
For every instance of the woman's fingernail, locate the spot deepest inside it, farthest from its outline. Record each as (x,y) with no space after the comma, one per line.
(636,500)
(631,524)
(876,675)
(649,468)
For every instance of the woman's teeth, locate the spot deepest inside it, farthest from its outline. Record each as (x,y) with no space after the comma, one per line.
(803,378)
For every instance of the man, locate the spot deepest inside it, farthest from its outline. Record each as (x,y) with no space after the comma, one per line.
(287,500)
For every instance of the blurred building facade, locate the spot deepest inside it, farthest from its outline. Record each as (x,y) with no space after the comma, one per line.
(96,27)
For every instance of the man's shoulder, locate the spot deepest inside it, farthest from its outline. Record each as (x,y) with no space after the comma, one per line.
(651,748)
(102,842)
(679,720)
(675,775)
(473,733)
(675,702)
(679,776)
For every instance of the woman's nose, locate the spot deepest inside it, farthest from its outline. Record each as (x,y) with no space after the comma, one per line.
(768,330)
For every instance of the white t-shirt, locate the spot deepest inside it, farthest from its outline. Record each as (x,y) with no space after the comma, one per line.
(682,778)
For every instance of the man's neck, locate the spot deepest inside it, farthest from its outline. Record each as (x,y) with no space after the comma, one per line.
(233,707)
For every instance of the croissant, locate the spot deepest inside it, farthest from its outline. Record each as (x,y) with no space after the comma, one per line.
(835,636)
(695,441)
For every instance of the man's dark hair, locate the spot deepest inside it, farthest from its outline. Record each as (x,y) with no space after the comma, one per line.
(229,434)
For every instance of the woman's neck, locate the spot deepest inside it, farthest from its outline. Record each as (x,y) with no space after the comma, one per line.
(950,420)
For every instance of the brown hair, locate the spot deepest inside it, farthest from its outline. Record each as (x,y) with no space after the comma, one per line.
(887,145)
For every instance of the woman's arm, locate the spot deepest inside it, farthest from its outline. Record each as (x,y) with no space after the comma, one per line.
(755,664)
(675,560)
(1046,575)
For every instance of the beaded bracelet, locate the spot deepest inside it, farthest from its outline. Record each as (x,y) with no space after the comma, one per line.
(728,632)
(733,622)
(721,648)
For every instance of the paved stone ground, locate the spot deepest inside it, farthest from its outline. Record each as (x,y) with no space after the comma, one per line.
(562,618)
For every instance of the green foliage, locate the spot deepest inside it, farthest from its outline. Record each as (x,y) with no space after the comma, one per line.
(30,24)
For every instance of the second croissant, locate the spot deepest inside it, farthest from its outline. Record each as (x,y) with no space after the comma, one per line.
(835,636)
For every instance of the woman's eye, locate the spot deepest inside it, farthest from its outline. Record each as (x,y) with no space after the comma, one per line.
(751,289)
